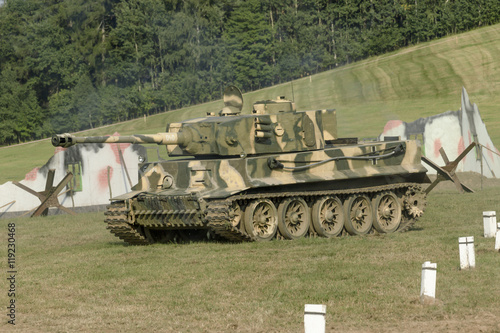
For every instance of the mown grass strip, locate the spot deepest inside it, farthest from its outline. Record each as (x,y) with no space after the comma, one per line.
(73,275)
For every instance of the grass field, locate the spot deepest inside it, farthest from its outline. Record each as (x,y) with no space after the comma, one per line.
(73,275)
(408,84)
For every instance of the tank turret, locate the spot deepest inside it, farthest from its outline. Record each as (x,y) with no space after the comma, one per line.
(273,173)
(273,127)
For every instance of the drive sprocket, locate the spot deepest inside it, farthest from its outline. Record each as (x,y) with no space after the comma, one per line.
(415,201)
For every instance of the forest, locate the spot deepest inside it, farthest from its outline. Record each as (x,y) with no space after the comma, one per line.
(69,65)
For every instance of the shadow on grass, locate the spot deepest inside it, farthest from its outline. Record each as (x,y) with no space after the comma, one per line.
(183,237)
(179,237)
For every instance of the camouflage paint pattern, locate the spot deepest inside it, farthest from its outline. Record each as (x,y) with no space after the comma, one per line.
(239,165)
(233,135)
(219,178)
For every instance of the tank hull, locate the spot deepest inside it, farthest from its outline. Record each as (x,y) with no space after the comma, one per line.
(349,188)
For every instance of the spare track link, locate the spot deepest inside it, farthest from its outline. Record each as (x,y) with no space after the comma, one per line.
(117,222)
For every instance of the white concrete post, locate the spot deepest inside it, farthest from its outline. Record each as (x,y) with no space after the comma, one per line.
(471,253)
(462,249)
(490,223)
(428,284)
(497,239)
(314,318)
(467,253)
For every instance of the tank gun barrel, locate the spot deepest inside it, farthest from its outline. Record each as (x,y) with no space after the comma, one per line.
(68,140)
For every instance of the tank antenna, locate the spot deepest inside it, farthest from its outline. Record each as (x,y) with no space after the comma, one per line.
(293,96)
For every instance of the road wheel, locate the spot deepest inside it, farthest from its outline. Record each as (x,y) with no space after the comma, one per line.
(328,216)
(387,212)
(359,213)
(261,219)
(294,218)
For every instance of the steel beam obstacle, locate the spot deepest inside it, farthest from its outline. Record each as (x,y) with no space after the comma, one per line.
(48,197)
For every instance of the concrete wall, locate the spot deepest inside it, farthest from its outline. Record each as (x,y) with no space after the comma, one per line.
(94,160)
(454,131)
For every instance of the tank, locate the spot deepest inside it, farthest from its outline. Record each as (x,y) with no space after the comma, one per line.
(274,173)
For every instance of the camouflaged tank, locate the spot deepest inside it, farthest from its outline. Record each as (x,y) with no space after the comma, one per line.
(275,173)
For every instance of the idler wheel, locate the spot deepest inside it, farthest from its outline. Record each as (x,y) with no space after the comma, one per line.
(294,218)
(358,209)
(387,212)
(261,219)
(328,216)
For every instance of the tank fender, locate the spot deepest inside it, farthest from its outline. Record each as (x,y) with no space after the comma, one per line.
(128,195)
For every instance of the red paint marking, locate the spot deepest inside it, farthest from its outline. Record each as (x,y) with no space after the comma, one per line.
(437,146)
(59,149)
(461,147)
(32,174)
(103,177)
(391,124)
(490,153)
(115,146)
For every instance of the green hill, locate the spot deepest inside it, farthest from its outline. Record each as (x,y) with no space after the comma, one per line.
(414,82)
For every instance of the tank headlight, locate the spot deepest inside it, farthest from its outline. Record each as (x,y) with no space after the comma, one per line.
(141,159)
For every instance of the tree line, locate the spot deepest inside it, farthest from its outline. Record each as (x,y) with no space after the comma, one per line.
(68,65)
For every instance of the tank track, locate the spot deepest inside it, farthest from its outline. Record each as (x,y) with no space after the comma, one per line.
(118,224)
(219,221)
(120,219)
